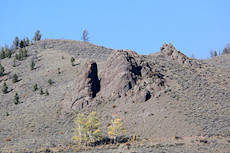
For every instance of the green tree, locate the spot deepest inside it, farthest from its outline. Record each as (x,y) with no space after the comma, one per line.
(16,42)
(47,92)
(16,99)
(27,41)
(1,70)
(41,91)
(2,53)
(37,36)
(14,62)
(32,65)
(4,88)
(7,52)
(22,43)
(72,60)
(15,78)
(115,130)
(35,87)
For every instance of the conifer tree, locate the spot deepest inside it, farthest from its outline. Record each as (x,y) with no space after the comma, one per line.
(115,130)
(7,52)
(35,87)
(72,60)
(32,64)
(1,70)
(47,92)
(16,99)
(16,42)
(15,78)
(4,88)
(2,53)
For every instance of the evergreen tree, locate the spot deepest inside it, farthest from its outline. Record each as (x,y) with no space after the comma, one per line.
(16,42)
(7,52)
(27,41)
(14,62)
(72,60)
(47,92)
(1,70)
(41,91)
(115,130)
(32,64)
(22,43)
(2,53)
(16,99)
(37,36)
(35,87)
(4,88)
(15,78)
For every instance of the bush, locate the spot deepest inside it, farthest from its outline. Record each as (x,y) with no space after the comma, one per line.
(47,92)
(35,87)
(4,88)
(32,65)
(50,82)
(37,36)
(72,60)
(1,70)
(41,91)
(15,78)
(16,99)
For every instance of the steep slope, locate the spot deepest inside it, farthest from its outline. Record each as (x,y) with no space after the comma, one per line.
(157,97)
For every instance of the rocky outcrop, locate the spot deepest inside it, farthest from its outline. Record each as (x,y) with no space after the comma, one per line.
(86,86)
(170,51)
(120,74)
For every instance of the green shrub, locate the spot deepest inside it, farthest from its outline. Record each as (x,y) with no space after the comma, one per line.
(1,70)
(41,91)
(15,78)
(32,65)
(50,82)
(4,88)
(47,92)
(35,87)
(72,60)
(16,99)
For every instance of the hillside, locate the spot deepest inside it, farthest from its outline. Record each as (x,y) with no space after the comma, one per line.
(171,102)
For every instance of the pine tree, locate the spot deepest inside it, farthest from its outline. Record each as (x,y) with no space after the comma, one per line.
(4,88)
(37,36)
(7,52)
(35,87)
(15,78)
(16,99)
(27,41)
(41,91)
(32,64)
(72,60)
(2,53)
(14,62)
(47,92)
(16,42)
(1,70)
(22,43)
(115,130)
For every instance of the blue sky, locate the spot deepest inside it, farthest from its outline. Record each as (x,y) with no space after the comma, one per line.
(194,26)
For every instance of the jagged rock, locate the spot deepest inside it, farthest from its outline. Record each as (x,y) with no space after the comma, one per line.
(170,51)
(86,86)
(120,74)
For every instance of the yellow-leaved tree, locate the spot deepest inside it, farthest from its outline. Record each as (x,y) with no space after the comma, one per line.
(87,128)
(92,125)
(115,130)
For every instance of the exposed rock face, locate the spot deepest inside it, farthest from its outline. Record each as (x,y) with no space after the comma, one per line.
(120,74)
(170,51)
(87,85)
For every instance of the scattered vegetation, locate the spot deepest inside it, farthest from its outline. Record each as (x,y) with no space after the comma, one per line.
(16,99)
(72,60)
(16,42)
(226,49)
(4,88)
(15,78)
(22,54)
